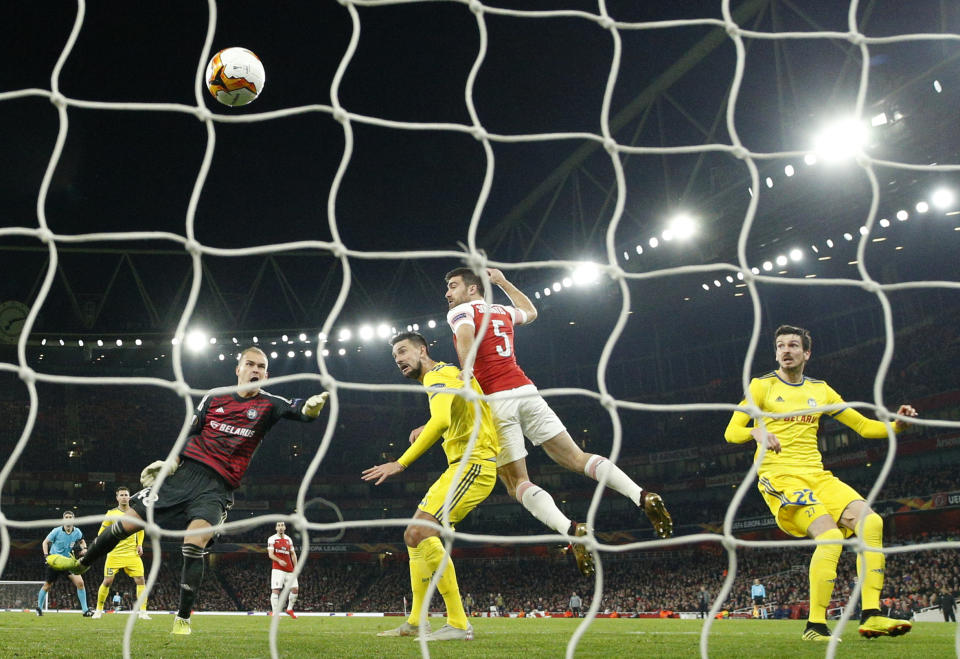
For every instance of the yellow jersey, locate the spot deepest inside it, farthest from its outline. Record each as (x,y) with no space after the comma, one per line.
(127,546)
(797,432)
(452,417)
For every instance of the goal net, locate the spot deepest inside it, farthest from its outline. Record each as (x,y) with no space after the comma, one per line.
(482,138)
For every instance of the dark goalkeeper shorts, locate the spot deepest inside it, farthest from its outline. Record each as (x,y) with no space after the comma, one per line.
(194,491)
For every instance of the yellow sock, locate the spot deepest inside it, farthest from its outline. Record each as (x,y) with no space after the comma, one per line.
(447,585)
(823,572)
(143,607)
(419,580)
(102,594)
(872,576)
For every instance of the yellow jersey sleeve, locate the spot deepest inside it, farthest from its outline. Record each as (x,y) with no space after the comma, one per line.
(737,431)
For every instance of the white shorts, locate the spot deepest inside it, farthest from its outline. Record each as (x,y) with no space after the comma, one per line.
(519,413)
(279,578)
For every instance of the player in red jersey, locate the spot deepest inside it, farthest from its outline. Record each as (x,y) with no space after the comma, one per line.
(198,491)
(284,559)
(519,410)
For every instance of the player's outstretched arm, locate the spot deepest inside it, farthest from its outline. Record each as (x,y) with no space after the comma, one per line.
(871,428)
(313,405)
(517,297)
(382,472)
(415,433)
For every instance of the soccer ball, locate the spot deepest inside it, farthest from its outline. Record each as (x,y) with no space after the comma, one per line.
(235,76)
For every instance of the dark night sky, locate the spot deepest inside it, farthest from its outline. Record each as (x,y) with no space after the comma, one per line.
(412,190)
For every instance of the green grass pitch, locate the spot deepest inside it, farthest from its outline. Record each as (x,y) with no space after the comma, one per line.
(69,635)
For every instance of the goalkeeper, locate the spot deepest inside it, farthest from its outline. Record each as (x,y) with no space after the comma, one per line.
(805,499)
(198,490)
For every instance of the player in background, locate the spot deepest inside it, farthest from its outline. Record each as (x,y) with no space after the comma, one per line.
(198,492)
(452,417)
(281,551)
(805,499)
(125,556)
(63,541)
(519,410)
(758,594)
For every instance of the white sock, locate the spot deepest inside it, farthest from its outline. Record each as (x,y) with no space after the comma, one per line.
(290,600)
(598,465)
(541,505)
(275,602)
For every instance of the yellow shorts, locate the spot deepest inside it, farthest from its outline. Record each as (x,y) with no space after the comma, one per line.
(474,486)
(797,499)
(132,565)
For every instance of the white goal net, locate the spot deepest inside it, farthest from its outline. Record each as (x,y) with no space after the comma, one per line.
(338,134)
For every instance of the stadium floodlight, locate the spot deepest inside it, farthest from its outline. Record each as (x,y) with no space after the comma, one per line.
(61,342)
(755,270)
(816,250)
(922,207)
(884,223)
(273,354)
(138,342)
(789,170)
(683,226)
(667,235)
(213,340)
(196,340)
(308,353)
(431,323)
(43,342)
(767,266)
(234,339)
(284,338)
(585,274)
(341,352)
(119,342)
(290,353)
(416,327)
(325,353)
(345,334)
(937,87)
(99,343)
(221,357)
(383,330)
(626,257)
(902,215)
(769,182)
(302,337)
(706,287)
(716,282)
(729,279)
(840,140)
(365,332)
(639,249)
(546,291)
(796,254)
(536,294)
(556,286)
(879,120)
(810,159)
(256,340)
(568,282)
(654,242)
(863,231)
(80,342)
(829,242)
(781,260)
(942,198)
(847,236)
(740,276)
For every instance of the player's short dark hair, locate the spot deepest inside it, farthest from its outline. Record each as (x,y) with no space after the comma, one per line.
(799,331)
(68,512)
(470,278)
(416,338)
(122,488)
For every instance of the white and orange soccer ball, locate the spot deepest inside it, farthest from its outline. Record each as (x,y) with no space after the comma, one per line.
(235,76)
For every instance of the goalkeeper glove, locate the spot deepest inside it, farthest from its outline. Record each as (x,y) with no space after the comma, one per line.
(150,472)
(314,404)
